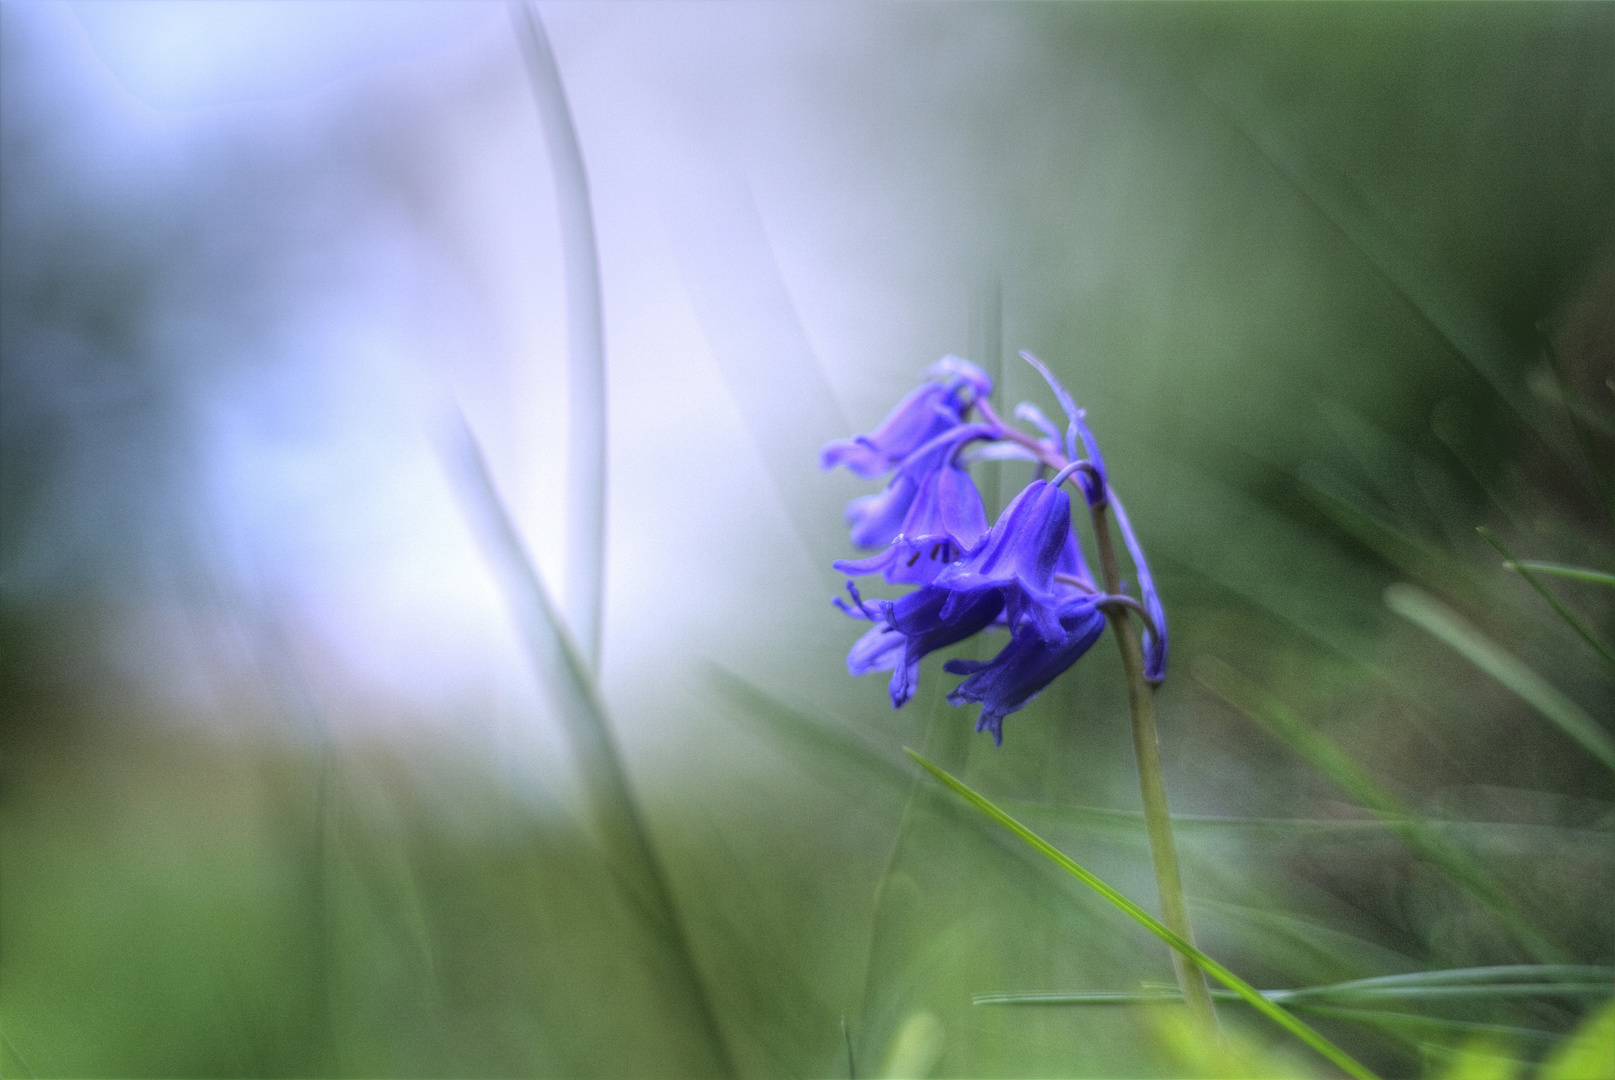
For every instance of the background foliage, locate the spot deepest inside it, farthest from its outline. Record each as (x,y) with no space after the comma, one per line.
(280,795)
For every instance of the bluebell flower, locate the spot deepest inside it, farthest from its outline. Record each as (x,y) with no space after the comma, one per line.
(1019,556)
(1026,665)
(907,629)
(1026,573)
(921,502)
(927,412)
(936,507)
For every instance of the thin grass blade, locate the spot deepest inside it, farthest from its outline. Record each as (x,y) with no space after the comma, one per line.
(1239,986)
(1430,614)
(585,342)
(563,673)
(843,751)
(1570,573)
(1525,571)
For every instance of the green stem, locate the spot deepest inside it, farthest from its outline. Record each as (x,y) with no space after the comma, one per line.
(1157,817)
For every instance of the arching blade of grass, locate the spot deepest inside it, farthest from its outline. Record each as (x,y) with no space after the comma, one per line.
(729,270)
(1327,758)
(564,675)
(1430,614)
(1570,573)
(1252,996)
(1525,570)
(1496,975)
(585,342)
(1514,980)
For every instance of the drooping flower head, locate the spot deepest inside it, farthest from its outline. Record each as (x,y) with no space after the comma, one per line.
(1025,666)
(1026,573)
(1093,484)
(939,404)
(931,512)
(1019,557)
(907,629)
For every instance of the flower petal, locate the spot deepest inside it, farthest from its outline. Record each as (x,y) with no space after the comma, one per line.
(1154,645)
(1024,667)
(1019,554)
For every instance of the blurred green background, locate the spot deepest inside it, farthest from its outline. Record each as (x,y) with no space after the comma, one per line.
(279,793)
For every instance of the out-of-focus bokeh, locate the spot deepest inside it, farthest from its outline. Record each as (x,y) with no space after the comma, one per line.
(281,792)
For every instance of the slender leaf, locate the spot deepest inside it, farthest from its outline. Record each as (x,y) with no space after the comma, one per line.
(1572,573)
(563,673)
(585,341)
(1430,614)
(1254,997)
(1512,980)
(1525,571)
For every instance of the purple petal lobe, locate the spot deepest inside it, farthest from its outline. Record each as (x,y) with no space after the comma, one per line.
(1019,555)
(1024,667)
(930,513)
(927,411)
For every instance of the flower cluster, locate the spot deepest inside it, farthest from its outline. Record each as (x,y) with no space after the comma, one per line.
(1026,573)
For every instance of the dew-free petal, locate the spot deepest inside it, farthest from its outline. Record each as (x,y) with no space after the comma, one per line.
(1024,667)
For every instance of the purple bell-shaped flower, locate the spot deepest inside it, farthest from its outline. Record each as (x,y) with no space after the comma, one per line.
(1025,666)
(1018,556)
(907,629)
(925,413)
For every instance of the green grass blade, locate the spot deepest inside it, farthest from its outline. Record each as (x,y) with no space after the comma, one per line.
(1290,729)
(563,673)
(1254,997)
(1572,573)
(1525,571)
(1511,980)
(1497,975)
(585,342)
(1430,614)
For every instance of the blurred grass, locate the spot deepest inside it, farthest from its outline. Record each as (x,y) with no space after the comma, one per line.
(1314,359)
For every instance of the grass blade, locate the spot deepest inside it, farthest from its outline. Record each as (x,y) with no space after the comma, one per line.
(585,342)
(1248,993)
(1525,571)
(1430,614)
(563,673)
(1327,758)
(1572,573)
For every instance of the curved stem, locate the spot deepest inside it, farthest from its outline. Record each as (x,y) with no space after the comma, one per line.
(1020,438)
(1157,817)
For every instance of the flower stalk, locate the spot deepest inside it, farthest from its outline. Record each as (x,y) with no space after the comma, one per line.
(1152,785)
